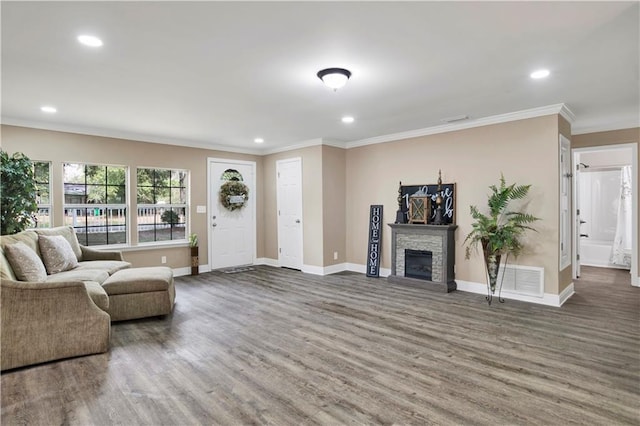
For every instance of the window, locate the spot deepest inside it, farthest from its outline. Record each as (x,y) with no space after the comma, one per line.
(95,203)
(162,205)
(42,175)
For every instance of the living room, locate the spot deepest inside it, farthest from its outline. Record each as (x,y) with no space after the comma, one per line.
(506,125)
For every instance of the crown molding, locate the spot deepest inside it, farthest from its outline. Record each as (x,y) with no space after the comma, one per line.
(116,134)
(307,144)
(468,124)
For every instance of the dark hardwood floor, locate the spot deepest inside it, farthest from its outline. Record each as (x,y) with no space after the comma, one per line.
(275,346)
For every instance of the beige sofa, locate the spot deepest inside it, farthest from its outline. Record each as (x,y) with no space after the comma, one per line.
(68,313)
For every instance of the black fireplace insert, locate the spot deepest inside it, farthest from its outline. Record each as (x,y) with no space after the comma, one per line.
(418,264)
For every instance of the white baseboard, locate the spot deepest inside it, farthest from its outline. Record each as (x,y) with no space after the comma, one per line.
(362,269)
(547,299)
(267,261)
(181,272)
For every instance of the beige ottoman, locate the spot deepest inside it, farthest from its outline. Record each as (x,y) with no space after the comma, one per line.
(140,292)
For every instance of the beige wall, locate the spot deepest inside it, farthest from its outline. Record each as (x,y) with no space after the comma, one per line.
(526,151)
(59,147)
(614,137)
(334,197)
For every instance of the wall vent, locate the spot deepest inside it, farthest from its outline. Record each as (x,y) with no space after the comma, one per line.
(524,280)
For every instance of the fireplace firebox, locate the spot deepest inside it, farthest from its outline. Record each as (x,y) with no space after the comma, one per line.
(418,264)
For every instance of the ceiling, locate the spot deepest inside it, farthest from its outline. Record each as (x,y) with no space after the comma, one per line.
(220,74)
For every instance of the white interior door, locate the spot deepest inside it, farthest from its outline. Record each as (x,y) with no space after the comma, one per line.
(232,233)
(289,204)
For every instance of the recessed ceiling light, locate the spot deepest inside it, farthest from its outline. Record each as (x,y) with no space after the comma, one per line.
(348,119)
(89,40)
(258,140)
(540,74)
(49,109)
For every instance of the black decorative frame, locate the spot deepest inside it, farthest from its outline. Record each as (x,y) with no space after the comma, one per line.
(431,190)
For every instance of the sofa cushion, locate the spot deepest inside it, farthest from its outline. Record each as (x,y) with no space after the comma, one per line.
(139,280)
(111,266)
(30,238)
(83,275)
(97,294)
(57,253)
(25,263)
(68,233)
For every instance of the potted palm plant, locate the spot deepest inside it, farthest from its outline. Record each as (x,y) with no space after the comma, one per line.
(18,193)
(499,233)
(195,263)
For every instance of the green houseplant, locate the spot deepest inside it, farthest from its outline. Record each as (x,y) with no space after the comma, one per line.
(17,193)
(499,233)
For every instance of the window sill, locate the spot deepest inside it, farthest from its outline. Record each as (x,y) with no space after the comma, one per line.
(143,246)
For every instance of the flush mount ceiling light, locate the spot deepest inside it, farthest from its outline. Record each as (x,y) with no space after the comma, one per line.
(539,74)
(334,78)
(258,140)
(48,109)
(89,40)
(347,119)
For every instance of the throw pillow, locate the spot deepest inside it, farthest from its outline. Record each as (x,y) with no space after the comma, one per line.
(57,253)
(25,262)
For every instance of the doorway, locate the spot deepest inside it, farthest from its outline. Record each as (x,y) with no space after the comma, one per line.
(289,205)
(605,225)
(232,218)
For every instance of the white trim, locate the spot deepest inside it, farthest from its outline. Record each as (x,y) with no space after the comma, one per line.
(131,136)
(560,109)
(468,124)
(306,144)
(266,261)
(334,269)
(620,125)
(565,257)
(184,271)
(566,294)
(253,165)
(311,269)
(635,281)
(362,269)
(547,299)
(634,198)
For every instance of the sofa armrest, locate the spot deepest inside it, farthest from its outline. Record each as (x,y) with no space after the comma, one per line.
(48,321)
(89,254)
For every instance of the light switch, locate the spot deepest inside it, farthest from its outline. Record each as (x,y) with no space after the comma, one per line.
(201,209)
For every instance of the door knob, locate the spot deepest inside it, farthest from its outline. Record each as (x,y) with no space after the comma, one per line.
(214,225)
(297,220)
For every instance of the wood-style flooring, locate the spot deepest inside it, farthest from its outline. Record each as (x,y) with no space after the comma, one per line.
(275,346)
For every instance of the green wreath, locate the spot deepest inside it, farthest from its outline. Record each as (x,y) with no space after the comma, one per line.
(233,195)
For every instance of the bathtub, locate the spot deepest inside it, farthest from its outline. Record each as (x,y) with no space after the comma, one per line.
(596,253)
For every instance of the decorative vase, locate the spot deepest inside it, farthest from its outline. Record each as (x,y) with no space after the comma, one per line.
(195,263)
(492,263)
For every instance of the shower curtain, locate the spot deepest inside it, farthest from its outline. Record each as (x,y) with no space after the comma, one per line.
(621,252)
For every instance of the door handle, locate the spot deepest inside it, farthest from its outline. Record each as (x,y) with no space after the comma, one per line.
(584,235)
(214,225)
(297,220)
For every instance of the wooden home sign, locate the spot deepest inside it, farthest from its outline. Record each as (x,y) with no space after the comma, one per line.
(375,240)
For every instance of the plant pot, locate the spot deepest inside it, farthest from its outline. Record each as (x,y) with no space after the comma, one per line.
(492,263)
(195,263)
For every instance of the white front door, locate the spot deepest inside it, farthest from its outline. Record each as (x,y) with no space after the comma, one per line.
(289,200)
(232,232)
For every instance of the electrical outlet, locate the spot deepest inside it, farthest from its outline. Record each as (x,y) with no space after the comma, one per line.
(335,255)
(163,259)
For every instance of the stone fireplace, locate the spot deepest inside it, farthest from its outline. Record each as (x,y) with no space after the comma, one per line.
(423,256)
